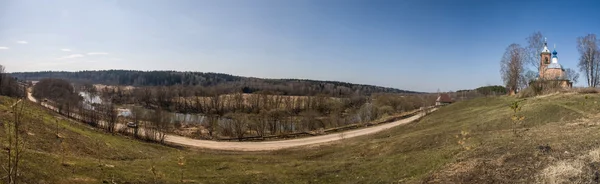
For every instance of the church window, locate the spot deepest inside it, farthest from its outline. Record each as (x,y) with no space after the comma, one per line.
(546,61)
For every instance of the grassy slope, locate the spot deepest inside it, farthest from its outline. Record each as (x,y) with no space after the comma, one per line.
(424,151)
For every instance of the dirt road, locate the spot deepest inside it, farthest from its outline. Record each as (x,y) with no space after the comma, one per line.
(272,145)
(276,145)
(13,105)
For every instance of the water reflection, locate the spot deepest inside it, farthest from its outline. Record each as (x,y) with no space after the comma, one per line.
(88,100)
(172,116)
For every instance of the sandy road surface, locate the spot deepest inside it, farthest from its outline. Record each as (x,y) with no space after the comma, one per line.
(275,145)
(13,105)
(270,145)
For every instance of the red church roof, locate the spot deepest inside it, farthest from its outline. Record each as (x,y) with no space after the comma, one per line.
(444,98)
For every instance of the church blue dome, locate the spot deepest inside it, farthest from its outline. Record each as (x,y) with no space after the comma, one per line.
(554,52)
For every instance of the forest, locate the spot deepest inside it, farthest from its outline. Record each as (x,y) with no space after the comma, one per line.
(212,82)
(235,115)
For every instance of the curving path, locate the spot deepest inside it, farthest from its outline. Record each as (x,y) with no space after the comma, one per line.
(276,145)
(272,145)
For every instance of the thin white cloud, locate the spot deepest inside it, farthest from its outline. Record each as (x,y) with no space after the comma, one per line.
(97,53)
(22,42)
(71,56)
(3,48)
(66,50)
(45,64)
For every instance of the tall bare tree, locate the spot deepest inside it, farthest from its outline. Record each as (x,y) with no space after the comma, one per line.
(589,61)
(239,125)
(110,117)
(535,44)
(15,145)
(511,66)
(571,75)
(2,76)
(138,115)
(161,124)
(529,76)
(91,91)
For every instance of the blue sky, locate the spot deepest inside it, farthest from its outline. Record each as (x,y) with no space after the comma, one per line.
(415,45)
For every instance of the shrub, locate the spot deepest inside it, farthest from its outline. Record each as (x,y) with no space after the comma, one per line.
(540,88)
(588,90)
(491,90)
(527,92)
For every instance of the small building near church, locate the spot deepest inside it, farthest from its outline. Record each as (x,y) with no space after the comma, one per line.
(443,99)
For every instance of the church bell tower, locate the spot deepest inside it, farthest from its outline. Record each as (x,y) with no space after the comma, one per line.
(544,59)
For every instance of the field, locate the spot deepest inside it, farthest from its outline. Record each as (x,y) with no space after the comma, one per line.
(556,141)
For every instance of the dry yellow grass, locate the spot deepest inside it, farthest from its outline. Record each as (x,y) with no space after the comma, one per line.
(232,99)
(102,87)
(562,172)
(575,170)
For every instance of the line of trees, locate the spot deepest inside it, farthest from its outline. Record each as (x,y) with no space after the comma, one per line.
(61,94)
(9,85)
(212,82)
(589,59)
(188,100)
(59,91)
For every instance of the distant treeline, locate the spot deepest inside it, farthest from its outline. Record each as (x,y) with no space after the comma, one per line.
(492,90)
(215,82)
(478,92)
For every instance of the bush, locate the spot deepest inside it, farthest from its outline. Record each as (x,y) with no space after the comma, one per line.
(527,92)
(540,88)
(491,90)
(386,110)
(588,90)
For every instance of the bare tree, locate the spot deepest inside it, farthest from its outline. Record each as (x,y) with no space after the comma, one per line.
(110,115)
(2,76)
(215,105)
(535,44)
(571,75)
(529,76)
(511,66)
(138,115)
(310,121)
(15,144)
(162,125)
(259,123)
(91,92)
(239,101)
(589,61)
(240,125)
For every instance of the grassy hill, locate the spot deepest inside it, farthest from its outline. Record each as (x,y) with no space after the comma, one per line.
(557,141)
